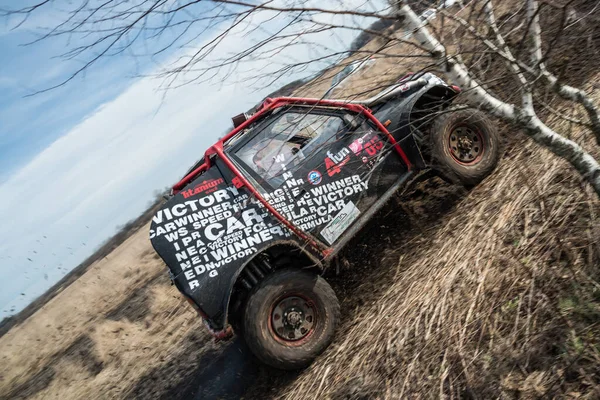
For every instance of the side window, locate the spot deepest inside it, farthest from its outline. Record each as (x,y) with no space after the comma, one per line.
(287,142)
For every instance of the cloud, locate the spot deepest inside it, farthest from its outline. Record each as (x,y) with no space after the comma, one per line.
(105,170)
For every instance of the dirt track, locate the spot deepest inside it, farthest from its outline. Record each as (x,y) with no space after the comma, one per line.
(122,331)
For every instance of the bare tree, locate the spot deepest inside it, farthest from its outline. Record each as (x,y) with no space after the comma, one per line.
(528,73)
(504,65)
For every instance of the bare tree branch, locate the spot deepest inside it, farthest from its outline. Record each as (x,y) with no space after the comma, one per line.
(582,161)
(501,63)
(565,91)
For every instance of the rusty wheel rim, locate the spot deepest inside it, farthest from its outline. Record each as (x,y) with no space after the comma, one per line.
(466,145)
(293,319)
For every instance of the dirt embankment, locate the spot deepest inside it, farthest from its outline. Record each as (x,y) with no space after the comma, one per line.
(498,299)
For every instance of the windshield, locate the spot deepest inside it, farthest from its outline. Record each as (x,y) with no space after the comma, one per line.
(286,142)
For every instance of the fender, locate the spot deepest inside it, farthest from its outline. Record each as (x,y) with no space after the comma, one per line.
(406,110)
(222,322)
(207,234)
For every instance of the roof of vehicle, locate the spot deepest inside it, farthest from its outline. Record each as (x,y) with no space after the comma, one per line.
(268,105)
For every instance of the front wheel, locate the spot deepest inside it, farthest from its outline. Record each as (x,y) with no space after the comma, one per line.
(290,318)
(465,147)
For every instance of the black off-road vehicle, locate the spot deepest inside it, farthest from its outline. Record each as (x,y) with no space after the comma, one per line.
(250,230)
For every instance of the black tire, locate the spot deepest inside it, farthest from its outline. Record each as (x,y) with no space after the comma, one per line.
(295,288)
(465,147)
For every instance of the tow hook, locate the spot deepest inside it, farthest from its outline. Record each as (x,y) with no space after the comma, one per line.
(223,334)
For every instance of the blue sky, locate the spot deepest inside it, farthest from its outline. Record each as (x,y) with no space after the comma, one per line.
(80,160)
(29,124)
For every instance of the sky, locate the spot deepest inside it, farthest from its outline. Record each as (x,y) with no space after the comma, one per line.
(81,160)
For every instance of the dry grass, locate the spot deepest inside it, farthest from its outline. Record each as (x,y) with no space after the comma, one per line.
(500,300)
(102,336)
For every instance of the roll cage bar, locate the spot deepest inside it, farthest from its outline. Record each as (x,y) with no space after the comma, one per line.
(270,104)
(405,83)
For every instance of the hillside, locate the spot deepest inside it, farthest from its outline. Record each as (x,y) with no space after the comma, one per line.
(105,249)
(487,293)
(498,299)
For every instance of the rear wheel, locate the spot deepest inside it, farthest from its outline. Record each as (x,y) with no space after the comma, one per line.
(290,318)
(464,146)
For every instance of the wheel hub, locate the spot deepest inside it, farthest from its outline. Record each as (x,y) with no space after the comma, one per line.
(293,318)
(466,145)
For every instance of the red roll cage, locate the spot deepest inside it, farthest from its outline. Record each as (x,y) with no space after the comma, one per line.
(268,105)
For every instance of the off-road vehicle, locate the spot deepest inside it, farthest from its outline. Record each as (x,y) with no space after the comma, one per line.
(251,228)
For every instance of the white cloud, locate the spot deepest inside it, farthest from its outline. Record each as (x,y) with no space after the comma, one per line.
(104,171)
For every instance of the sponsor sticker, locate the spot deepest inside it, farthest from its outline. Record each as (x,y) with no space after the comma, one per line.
(204,187)
(314,177)
(374,146)
(335,162)
(356,146)
(340,223)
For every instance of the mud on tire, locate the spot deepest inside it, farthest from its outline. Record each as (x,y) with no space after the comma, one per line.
(465,147)
(290,296)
